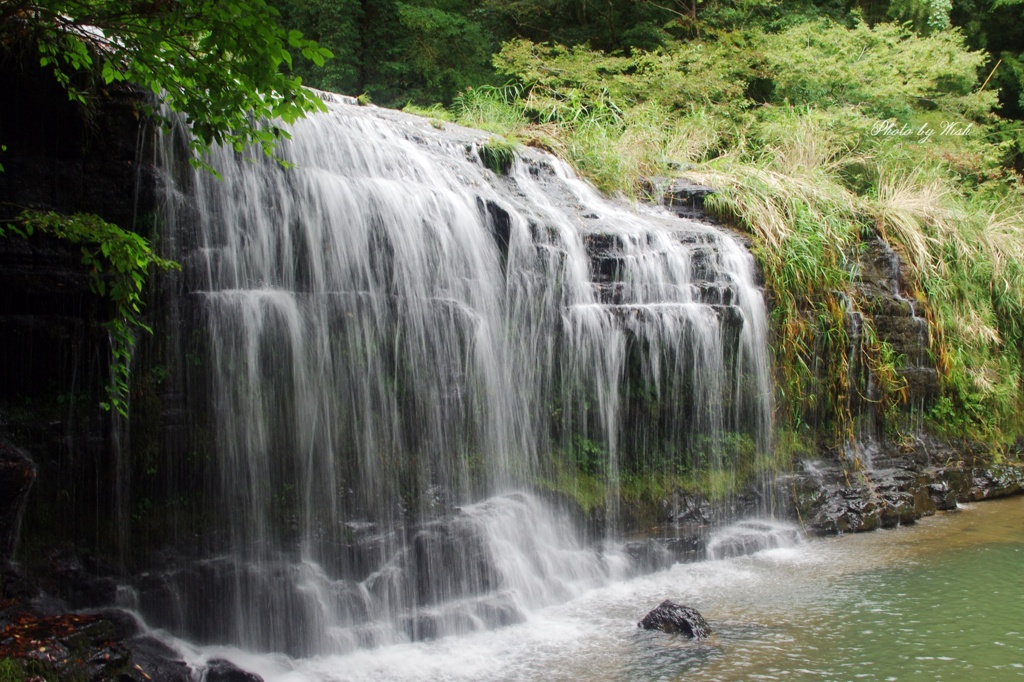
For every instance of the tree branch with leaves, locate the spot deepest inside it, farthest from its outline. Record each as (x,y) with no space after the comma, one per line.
(224,66)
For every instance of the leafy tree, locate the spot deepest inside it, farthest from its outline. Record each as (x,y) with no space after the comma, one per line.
(222,64)
(997,26)
(338,26)
(926,16)
(887,71)
(441,52)
(608,26)
(424,51)
(629,25)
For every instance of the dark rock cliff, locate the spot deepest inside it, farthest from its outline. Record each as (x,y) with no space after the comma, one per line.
(897,319)
(66,158)
(17,473)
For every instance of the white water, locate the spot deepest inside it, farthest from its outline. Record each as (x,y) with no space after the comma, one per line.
(934,601)
(389,344)
(593,636)
(751,536)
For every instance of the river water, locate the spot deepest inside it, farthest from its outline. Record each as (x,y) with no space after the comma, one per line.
(941,600)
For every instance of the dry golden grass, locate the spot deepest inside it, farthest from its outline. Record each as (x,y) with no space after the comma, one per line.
(1004,241)
(921,219)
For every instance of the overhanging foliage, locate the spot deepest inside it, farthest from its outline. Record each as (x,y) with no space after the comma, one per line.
(224,65)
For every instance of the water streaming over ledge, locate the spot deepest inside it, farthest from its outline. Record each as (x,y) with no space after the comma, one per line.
(401,367)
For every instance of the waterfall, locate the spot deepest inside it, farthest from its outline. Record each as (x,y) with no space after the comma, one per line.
(405,368)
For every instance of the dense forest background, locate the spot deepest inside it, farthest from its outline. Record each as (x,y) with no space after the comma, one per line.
(429,51)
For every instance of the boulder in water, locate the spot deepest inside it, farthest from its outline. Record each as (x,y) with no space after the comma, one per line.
(220,670)
(676,619)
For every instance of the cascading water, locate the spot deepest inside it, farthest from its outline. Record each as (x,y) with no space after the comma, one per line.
(402,367)
(751,536)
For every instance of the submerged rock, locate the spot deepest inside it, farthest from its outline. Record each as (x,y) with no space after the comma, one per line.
(676,619)
(658,553)
(750,536)
(220,670)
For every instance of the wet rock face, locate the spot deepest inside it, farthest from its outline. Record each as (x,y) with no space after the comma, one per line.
(694,510)
(676,619)
(981,483)
(58,159)
(17,472)
(83,580)
(100,646)
(751,536)
(829,499)
(679,195)
(688,521)
(42,639)
(896,319)
(659,553)
(54,346)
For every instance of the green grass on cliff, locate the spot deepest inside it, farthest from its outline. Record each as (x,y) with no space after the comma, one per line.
(819,139)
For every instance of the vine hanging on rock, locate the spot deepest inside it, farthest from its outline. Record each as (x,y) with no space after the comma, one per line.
(118,264)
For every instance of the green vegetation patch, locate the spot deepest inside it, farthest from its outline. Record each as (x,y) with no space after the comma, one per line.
(498,154)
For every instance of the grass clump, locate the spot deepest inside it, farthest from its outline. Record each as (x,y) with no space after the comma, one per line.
(498,154)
